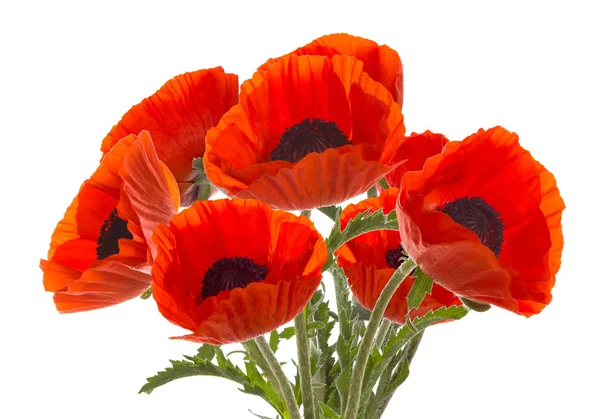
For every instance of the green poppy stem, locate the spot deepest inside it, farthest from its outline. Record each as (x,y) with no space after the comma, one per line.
(366,345)
(382,333)
(284,384)
(303,345)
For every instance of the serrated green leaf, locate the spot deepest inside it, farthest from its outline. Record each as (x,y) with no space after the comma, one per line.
(475,305)
(287,333)
(444,313)
(400,376)
(327,412)
(359,312)
(364,222)
(342,384)
(274,340)
(420,288)
(315,325)
(200,365)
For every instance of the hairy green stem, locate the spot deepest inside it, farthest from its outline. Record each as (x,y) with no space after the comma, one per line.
(256,354)
(284,384)
(382,333)
(408,354)
(303,346)
(366,345)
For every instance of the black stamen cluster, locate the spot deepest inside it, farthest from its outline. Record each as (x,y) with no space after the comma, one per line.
(229,273)
(113,229)
(479,217)
(309,136)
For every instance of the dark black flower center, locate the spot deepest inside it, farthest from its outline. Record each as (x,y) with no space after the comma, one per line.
(229,273)
(394,257)
(479,217)
(309,136)
(113,229)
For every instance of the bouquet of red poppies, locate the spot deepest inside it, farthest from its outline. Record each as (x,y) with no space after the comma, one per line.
(447,227)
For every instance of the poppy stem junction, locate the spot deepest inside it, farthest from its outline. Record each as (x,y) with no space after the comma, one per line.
(366,345)
(284,384)
(303,346)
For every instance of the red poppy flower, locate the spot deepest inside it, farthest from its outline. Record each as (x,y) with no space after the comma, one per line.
(231,270)
(100,250)
(178,116)
(309,131)
(381,62)
(483,219)
(413,152)
(370,260)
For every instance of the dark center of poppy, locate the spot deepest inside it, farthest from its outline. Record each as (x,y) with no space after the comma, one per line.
(113,229)
(229,273)
(309,136)
(479,217)
(394,257)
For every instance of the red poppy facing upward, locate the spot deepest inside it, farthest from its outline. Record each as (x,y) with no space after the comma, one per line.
(483,219)
(381,62)
(101,250)
(414,152)
(370,260)
(309,131)
(231,270)
(178,116)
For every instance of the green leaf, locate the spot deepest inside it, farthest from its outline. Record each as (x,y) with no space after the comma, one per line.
(201,365)
(475,305)
(328,412)
(364,222)
(315,325)
(287,333)
(400,376)
(342,384)
(420,288)
(260,416)
(146,294)
(444,313)
(333,212)
(274,340)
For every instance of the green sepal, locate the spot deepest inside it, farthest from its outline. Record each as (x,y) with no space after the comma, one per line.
(475,305)
(333,212)
(146,294)
(383,183)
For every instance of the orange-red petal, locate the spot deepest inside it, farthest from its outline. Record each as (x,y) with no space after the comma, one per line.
(493,166)
(363,260)
(133,182)
(290,90)
(414,152)
(381,62)
(288,246)
(178,116)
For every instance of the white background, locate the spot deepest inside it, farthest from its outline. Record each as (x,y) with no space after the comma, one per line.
(70,71)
